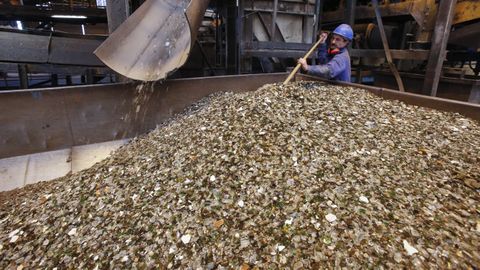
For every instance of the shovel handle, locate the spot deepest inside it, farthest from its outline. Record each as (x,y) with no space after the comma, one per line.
(295,70)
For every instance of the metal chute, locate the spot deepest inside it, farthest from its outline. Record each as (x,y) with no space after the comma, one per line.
(155,40)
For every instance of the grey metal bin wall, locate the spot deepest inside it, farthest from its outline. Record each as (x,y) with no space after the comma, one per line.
(56,118)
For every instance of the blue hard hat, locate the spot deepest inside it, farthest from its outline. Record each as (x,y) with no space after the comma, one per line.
(345,31)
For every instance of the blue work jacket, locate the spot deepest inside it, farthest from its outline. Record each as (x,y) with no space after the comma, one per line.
(336,67)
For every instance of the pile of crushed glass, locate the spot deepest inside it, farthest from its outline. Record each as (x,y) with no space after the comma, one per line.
(300,176)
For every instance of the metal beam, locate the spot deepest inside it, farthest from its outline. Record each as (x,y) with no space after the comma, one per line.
(350,16)
(47,48)
(239,26)
(274,53)
(350,12)
(443,25)
(23,76)
(266,21)
(33,13)
(450,88)
(117,13)
(368,12)
(287,50)
(232,37)
(274,19)
(395,54)
(49,68)
(285,7)
(316,20)
(277,45)
(386,47)
(247,36)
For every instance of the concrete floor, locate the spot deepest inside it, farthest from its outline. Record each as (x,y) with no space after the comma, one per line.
(19,171)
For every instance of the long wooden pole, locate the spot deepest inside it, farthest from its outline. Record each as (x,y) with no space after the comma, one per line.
(295,70)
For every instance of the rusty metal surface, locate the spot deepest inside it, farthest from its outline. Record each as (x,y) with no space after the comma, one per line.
(55,118)
(466,10)
(70,51)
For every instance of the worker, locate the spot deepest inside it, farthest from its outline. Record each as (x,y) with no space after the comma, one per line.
(334,61)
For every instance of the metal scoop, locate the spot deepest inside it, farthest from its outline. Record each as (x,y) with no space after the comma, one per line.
(155,40)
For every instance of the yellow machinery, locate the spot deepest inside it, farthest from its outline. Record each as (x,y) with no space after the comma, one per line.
(422,11)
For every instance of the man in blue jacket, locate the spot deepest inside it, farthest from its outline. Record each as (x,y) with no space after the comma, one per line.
(334,61)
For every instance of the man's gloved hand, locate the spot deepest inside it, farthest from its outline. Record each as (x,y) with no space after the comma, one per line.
(304,64)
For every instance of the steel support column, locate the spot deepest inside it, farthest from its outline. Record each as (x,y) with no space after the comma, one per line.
(247,33)
(388,55)
(274,20)
(350,12)
(23,76)
(316,25)
(443,25)
(117,13)
(232,35)
(350,20)
(240,35)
